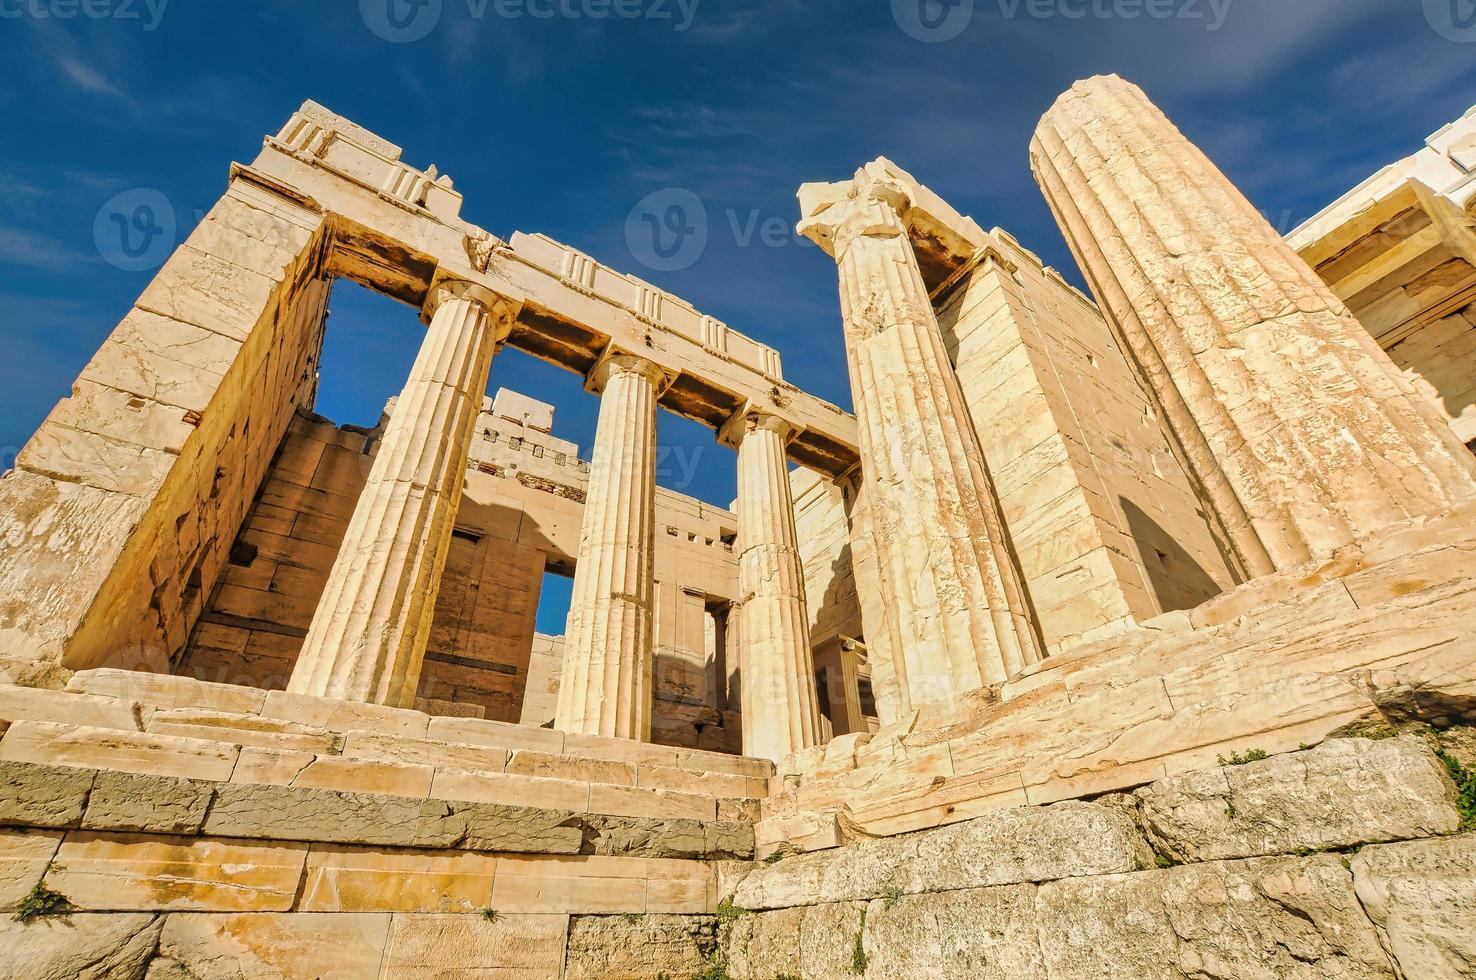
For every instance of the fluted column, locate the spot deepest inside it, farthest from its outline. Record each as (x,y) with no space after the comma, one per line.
(780,714)
(1298,431)
(368,636)
(878,624)
(961,616)
(606,685)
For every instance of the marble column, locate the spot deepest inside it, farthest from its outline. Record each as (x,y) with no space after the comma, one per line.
(1297,430)
(780,714)
(606,687)
(367,639)
(878,622)
(961,615)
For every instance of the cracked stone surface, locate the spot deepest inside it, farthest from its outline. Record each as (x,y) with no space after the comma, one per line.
(1027,844)
(1277,918)
(147,804)
(1422,897)
(1342,793)
(639,947)
(326,815)
(79,947)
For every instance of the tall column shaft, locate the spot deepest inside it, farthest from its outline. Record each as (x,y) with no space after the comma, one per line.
(780,713)
(368,636)
(1298,431)
(606,685)
(961,615)
(878,624)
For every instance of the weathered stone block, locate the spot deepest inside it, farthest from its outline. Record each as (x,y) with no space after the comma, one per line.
(818,942)
(1027,844)
(645,837)
(1272,918)
(765,945)
(101,748)
(429,947)
(519,830)
(124,872)
(32,704)
(345,716)
(571,767)
(35,795)
(24,855)
(79,947)
(276,767)
(366,776)
(500,787)
(168,691)
(122,801)
(739,811)
(270,944)
(267,733)
(729,840)
(1422,897)
(423,752)
(620,948)
(288,813)
(362,879)
(634,801)
(1344,792)
(979,934)
(495,734)
(588,885)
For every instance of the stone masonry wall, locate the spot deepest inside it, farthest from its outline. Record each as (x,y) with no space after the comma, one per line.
(1103,520)
(1353,859)
(1348,860)
(121,511)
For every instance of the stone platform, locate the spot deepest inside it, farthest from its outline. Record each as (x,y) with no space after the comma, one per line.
(1380,633)
(199,830)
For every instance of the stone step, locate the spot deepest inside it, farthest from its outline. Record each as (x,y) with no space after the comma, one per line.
(261,731)
(166,692)
(116,872)
(225,759)
(70,797)
(533,762)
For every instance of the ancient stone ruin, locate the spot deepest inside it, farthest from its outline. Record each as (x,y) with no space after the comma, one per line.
(1117,638)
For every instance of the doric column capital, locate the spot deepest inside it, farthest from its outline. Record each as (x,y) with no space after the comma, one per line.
(501,310)
(615,361)
(872,203)
(750,418)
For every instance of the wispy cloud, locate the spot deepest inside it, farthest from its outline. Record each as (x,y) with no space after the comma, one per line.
(18,246)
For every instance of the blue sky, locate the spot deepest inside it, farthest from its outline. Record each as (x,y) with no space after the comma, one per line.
(563,123)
